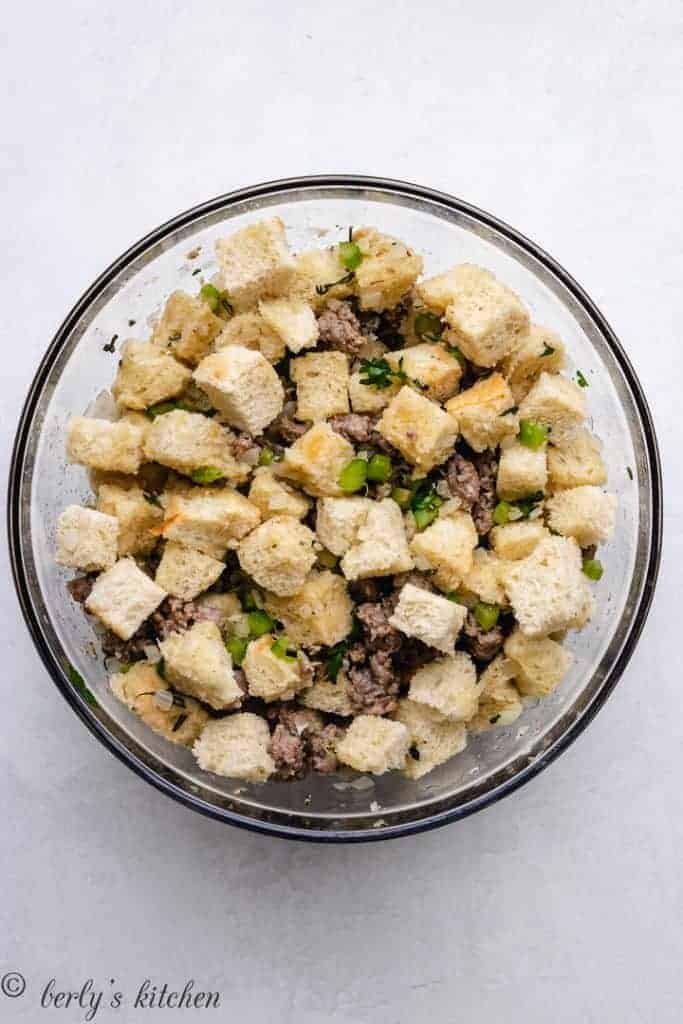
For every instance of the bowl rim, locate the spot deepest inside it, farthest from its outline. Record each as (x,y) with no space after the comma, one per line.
(122,752)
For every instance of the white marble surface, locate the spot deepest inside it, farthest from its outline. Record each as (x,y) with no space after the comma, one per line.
(565,901)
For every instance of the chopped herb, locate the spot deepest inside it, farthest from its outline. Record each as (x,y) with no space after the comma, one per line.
(350,255)
(486,614)
(425,504)
(78,683)
(111,345)
(630,472)
(163,407)
(283,648)
(593,569)
(153,499)
(180,720)
(131,323)
(323,289)
(207,475)
(493,719)
(414,753)
(216,300)
(260,623)
(176,336)
(457,596)
(428,327)
(335,660)
(236,647)
(380,468)
(266,457)
(501,513)
(350,232)
(532,435)
(547,351)
(402,496)
(197,271)
(353,476)
(581,380)
(511,411)
(375,373)
(528,504)
(454,351)
(251,600)
(327,559)
(161,668)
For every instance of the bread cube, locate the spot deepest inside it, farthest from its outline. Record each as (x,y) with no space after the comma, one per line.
(186,573)
(381,546)
(522,471)
(269,676)
(279,554)
(274,497)
(294,320)
(188,441)
(147,375)
(318,268)
(517,540)
(484,413)
(365,398)
(547,589)
(438,292)
(338,521)
(576,463)
(540,351)
(449,685)
(558,404)
(250,330)
(499,700)
(123,597)
(243,386)
(373,744)
(423,433)
(255,262)
(432,366)
(236,747)
(388,270)
(86,539)
(186,328)
(102,444)
(197,662)
(181,723)
(316,460)
(486,577)
(584,513)
(139,519)
(322,385)
(209,520)
(320,614)
(433,619)
(540,664)
(447,547)
(330,697)
(433,738)
(225,607)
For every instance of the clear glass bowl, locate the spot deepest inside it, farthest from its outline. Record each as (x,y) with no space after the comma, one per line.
(317,211)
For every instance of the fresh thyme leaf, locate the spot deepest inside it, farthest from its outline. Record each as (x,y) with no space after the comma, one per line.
(323,289)
(111,345)
(547,351)
(581,380)
(180,720)
(375,373)
(78,683)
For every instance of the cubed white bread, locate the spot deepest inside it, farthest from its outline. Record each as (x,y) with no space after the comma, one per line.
(584,513)
(432,366)
(381,546)
(320,614)
(486,578)
(197,662)
(540,664)
(139,519)
(499,701)
(293,320)
(147,375)
(223,608)
(188,441)
(236,747)
(433,738)
(186,573)
(269,676)
(123,597)
(388,270)
(420,429)
(250,330)
(186,328)
(438,292)
(316,460)
(558,404)
(318,268)
(373,744)
(255,262)
(447,547)
(433,619)
(209,520)
(322,385)
(338,521)
(365,398)
(137,688)
(278,555)
(274,497)
(517,540)
(102,444)
(522,471)
(484,413)
(540,351)
(449,685)
(86,539)
(576,463)
(547,589)
(328,696)
(243,386)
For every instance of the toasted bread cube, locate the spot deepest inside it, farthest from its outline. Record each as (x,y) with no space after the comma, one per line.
(274,497)
(102,444)
(269,676)
(250,330)
(338,521)
(577,463)
(147,375)
(365,398)
(186,328)
(316,460)
(322,385)
(279,554)
(381,546)
(139,519)
(522,471)
(517,540)
(438,292)
(225,607)
(484,413)
(486,577)
(486,319)
(186,573)
(499,700)
(447,547)
(420,429)
(540,664)
(236,747)
(181,723)
(294,320)
(373,744)
(123,597)
(319,268)
(433,619)
(388,270)
(432,366)
(197,662)
(547,589)
(188,441)
(86,539)
(540,351)
(433,738)
(328,696)
(243,386)
(585,513)
(255,262)
(558,404)
(319,615)
(209,520)
(449,685)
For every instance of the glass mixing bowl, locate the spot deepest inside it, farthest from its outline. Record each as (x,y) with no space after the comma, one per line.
(76,368)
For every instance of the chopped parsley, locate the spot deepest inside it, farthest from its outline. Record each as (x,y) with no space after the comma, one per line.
(581,380)
(335,660)
(153,499)
(78,683)
(323,289)
(350,255)
(180,720)
(377,373)
(547,351)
